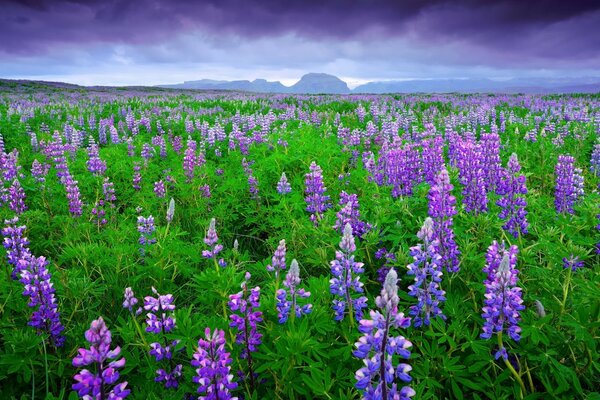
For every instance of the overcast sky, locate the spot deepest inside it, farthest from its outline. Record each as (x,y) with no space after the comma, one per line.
(120,42)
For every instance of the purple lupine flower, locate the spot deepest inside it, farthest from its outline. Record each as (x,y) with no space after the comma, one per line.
(211,240)
(512,189)
(177,144)
(72,188)
(205,191)
(400,167)
(253,184)
(503,302)
(246,303)
(108,191)
(130,300)
(433,158)
(99,213)
(39,171)
(595,160)
(377,347)
(212,362)
(350,213)
(159,189)
(578,185)
(147,152)
(490,160)
(103,383)
(189,162)
(16,245)
(564,192)
(137,176)
(283,186)
(573,263)
(441,210)
(146,229)
(161,323)
(316,200)
(278,259)
(38,286)
(470,166)
(346,279)
(427,271)
(285,305)
(94,164)
(16,198)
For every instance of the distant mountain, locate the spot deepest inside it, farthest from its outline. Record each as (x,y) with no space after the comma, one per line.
(313,83)
(534,85)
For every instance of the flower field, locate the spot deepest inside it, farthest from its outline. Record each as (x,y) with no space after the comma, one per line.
(164,244)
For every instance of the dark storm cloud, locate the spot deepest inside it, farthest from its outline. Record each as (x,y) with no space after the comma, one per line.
(517,28)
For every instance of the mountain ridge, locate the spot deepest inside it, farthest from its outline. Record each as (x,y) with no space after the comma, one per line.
(315,83)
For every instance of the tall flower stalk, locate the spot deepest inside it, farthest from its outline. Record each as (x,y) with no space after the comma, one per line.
(245,316)
(213,370)
(101,384)
(512,190)
(427,271)
(316,199)
(287,300)
(377,347)
(441,210)
(159,322)
(346,279)
(211,239)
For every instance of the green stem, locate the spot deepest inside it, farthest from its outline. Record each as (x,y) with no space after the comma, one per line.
(511,368)
(566,291)
(46,367)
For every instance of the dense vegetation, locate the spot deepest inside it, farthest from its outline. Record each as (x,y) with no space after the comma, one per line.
(84,170)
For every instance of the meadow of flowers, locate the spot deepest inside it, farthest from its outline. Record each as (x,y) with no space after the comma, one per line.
(216,245)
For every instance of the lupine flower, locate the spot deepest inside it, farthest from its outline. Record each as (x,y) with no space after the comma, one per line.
(278,259)
(578,185)
(39,171)
(73,196)
(101,384)
(159,189)
(283,186)
(16,245)
(137,176)
(512,189)
(212,362)
(490,160)
(146,229)
(346,279)
(470,166)
(427,271)
(503,302)
(16,198)
(94,164)
(211,240)
(171,210)
(285,304)
(316,200)
(433,158)
(189,162)
(350,213)
(160,323)
(130,299)
(246,303)
(564,192)
(108,190)
(441,210)
(38,286)
(376,348)
(595,160)
(573,263)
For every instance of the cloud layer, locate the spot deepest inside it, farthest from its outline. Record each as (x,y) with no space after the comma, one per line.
(357,39)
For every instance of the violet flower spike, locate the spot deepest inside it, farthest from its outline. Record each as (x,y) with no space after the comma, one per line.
(346,279)
(103,383)
(377,346)
(287,300)
(213,367)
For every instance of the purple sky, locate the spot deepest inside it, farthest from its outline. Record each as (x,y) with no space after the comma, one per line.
(160,41)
